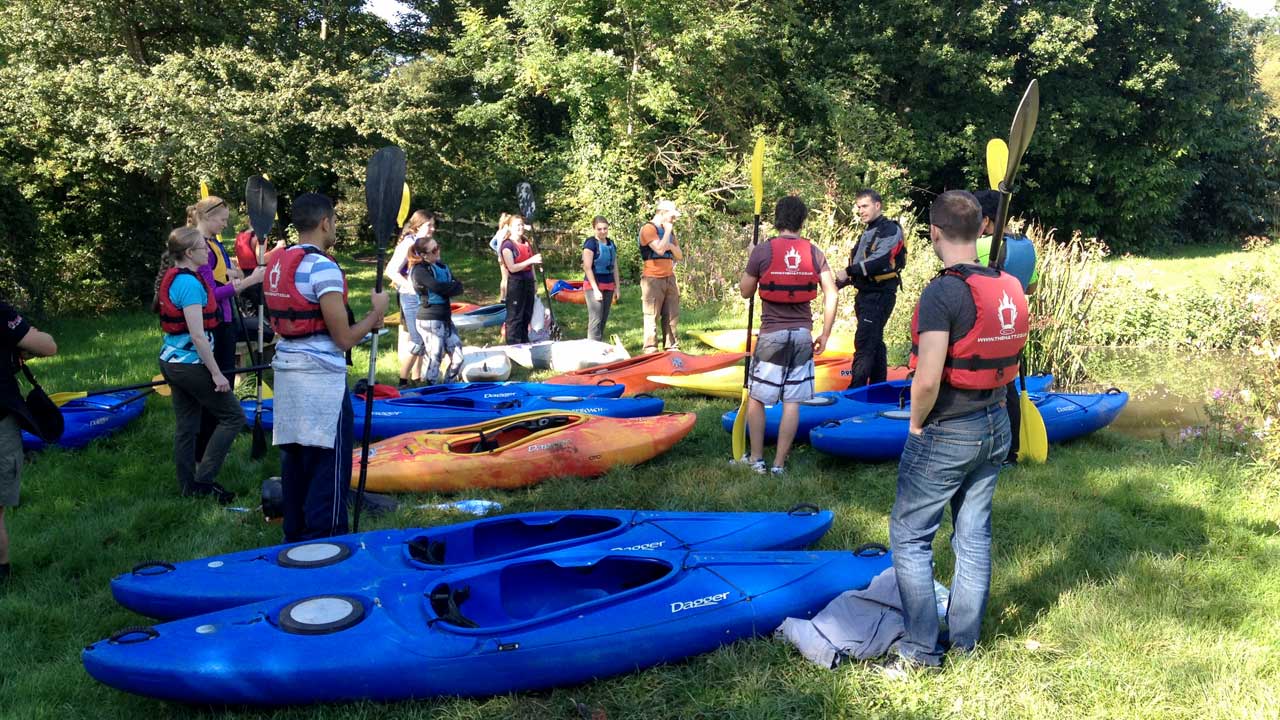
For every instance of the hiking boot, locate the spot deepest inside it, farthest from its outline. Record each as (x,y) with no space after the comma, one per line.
(897,667)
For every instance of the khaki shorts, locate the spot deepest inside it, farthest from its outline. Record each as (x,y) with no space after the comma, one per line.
(10,461)
(782,367)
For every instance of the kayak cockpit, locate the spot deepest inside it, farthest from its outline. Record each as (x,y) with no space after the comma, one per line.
(505,436)
(540,590)
(491,539)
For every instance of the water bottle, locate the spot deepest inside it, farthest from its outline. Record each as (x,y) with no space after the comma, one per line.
(943,596)
(473,506)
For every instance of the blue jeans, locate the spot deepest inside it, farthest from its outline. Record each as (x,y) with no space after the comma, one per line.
(409,304)
(955,461)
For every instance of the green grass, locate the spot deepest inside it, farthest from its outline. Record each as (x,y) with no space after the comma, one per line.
(1199,265)
(1131,579)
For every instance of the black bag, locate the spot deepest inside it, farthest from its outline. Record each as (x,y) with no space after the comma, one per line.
(43,417)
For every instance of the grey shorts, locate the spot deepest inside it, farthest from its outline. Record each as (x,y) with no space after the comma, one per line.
(782,367)
(10,461)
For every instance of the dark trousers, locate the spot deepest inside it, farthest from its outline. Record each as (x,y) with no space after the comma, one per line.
(193,399)
(315,482)
(520,295)
(1015,419)
(872,307)
(597,312)
(224,353)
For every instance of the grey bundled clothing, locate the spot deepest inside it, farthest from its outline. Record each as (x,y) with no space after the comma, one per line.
(859,624)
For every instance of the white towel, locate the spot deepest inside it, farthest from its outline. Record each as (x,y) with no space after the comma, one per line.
(307,401)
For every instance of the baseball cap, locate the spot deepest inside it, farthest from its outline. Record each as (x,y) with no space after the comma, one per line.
(668,206)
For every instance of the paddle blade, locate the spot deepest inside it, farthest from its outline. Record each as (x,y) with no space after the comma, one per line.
(259,449)
(757,173)
(404,206)
(204,190)
(997,161)
(266,392)
(1033,439)
(260,197)
(163,388)
(62,398)
(525,200)
(740,428)
(383,186)
(1024,126)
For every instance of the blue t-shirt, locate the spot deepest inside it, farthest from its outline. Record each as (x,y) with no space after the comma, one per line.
(185,290)
(317,275)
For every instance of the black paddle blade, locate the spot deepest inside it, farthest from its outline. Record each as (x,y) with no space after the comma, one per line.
(259,449)
(260,197)
(1024,126)
(525,200)
(383,188)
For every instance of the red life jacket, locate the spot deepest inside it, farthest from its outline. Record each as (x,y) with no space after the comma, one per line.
(792,274)
(987,356)
(247,251)
(292,315)
(172,321)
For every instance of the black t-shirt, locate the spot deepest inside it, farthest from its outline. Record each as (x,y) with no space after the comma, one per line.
(13,327)
(946,304)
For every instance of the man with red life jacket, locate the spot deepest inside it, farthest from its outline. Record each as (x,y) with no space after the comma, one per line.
(659,294)
(873,270)
(306,296)
(787,270)
(969,326)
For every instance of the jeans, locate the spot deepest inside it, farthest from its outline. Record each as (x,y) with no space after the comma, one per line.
(872,307)
(597,312)
(955,461)
(408,315)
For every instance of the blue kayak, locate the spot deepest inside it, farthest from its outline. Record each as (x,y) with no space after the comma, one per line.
(496,392)
(829,406)
(352,562)
(89,418)
(481,317)
(532,623)
(397,416)
(880,436)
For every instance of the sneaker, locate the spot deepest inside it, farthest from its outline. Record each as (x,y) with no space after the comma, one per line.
(775,470)
(758,467)
(897,667)
(746,459)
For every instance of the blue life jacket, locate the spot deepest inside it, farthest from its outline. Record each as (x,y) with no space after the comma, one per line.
(605,254)
(443,275)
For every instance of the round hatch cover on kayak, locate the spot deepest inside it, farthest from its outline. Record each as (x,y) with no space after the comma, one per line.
(313,555)
(897,414)
(321,615)
(819,401)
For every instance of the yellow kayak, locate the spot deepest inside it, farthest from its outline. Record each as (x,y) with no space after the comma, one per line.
(831,372)
(735,341)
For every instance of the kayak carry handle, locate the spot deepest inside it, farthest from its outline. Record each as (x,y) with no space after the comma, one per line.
(644,395)
(606,381)
(164,566)
(870,549)
(145,631)
(830,423)
(1113,391)
(804,509)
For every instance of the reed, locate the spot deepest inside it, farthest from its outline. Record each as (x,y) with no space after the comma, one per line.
(1060,306)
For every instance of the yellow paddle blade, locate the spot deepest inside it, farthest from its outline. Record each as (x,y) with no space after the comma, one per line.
(740,428)
(404,206)
(757,173)
(266,391)
(62,398)
(1033,439)
(997,162)
(162,389)
(204,190)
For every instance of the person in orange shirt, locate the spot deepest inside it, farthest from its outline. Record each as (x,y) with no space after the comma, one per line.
(660,250)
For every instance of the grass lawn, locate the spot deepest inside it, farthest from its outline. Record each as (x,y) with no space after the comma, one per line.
(1131,579)
(1202,265)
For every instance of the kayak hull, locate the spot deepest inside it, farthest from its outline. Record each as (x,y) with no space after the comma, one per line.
(564,355)
(534,623)
(633,374)
(736,341)
(519,450)
(830,373)
(875,437)
(484,365)
(397,416)
(356,562)
(481,317)
(832,406)
(89,418)
(569,291)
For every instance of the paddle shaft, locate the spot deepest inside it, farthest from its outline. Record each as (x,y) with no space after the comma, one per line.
(368,406)
(154,383)
(751,311)
(541,278)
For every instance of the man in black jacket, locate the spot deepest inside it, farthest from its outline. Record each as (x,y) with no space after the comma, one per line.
(873,271)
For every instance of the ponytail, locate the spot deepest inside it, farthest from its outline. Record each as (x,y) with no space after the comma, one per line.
(201,210)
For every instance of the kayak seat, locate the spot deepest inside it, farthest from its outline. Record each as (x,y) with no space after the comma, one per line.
(428,551)
(493,539)
(445,602)
(538,589)
(509,434)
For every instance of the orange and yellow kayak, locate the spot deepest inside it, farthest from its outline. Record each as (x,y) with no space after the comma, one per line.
(569,291)
(736,340)
(518,450)
(830,372)
(634,372)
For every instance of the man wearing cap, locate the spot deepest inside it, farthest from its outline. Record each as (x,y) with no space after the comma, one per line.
(659,295)
(873,270)
(1019,260)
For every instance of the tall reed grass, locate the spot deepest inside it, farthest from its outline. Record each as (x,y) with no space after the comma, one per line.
(1062,303)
